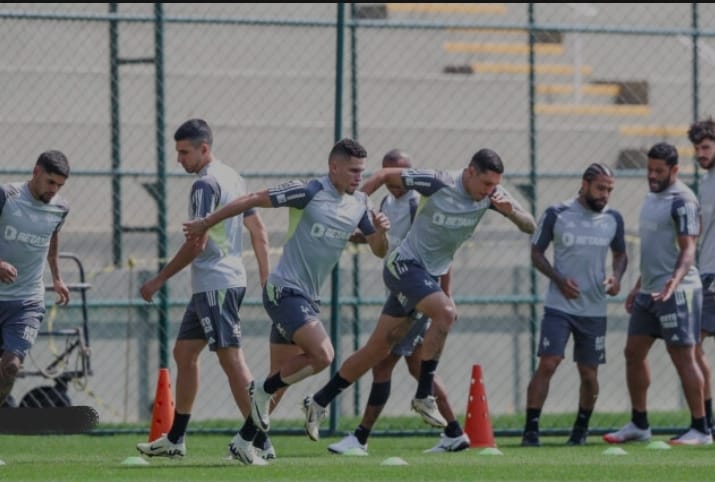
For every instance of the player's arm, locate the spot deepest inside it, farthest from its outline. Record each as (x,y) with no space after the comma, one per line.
(630,299)
(540,242)
(378,239)
(259,241)
(188,251)
(513,211)
(380,177)
(63,293)
(686,259)
(619,261)
(199,226)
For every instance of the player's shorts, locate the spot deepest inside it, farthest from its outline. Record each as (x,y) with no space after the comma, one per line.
(406,346)
(708,313)
(19,323)
(213,316)
(408,283)
(676,321)
(289,309)
(589,336)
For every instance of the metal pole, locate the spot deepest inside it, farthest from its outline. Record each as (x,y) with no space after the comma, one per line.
(115,138)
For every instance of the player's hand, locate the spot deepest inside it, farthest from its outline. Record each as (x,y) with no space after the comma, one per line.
(149,288)
(194,228)
(63,293)
(380,220)
(666,292)
(630,300)
(501,203)
(568,287)
(8,273)
(612,285)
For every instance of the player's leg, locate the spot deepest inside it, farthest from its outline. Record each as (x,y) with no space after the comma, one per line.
(20,322)
(707,327)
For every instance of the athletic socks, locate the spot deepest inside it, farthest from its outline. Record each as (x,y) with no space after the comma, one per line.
(532,419)
(331,390)
(362,433)
(424,387)
(640,419)
(274,383)
(178,427)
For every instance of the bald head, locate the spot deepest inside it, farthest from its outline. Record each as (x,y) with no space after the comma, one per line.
(396,158)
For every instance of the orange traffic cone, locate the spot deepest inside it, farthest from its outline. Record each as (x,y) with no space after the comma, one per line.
(477,424)
(163,413)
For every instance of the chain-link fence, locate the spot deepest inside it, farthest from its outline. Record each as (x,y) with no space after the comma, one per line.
(551,87)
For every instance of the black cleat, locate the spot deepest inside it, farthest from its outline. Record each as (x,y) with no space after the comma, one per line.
(578,436)
(530,439)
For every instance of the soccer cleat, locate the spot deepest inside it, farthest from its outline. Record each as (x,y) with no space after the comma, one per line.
(578,436)
(162,447)
(628,433)
(267,452)
(260,405)
(243,451)
(692,437)
(530,439)
(427,408)
(450,444)
(349,442)
(314,414)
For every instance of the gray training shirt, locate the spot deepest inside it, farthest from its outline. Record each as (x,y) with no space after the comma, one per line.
(321,221)
(664,216)
(219,266)
(26,228)
(400,211)
(446,218)
(581,238)
(706,191)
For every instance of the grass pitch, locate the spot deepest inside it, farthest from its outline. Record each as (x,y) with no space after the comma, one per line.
(100,457)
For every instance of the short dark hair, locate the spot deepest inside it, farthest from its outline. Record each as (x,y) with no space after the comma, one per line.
(665,152)
(487,160)
(596,169)
(54,162)
(701,130)
(348,148)
(197,131)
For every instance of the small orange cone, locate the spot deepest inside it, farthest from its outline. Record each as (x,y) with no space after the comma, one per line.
(477,424)
(163,413)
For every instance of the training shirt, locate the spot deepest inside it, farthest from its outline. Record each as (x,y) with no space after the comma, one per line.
(581,238)
(26,228)
(321,221)
(665,215)
(219,266)
(400,211)
(446,217)
(706,191)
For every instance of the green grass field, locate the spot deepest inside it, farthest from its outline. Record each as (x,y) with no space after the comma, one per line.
(101,457)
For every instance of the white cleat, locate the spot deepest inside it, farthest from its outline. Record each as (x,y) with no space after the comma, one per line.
(692,437)
(314,414)
(260,405)
(628,433)
(162,447)
(427,408)
(267,452)
(243,451)
(348,443)
(450,444)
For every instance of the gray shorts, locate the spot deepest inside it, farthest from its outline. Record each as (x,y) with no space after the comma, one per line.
(707,319)
(213,316)
(288,309)
(676,321)
(409,283)
(406,346)
(19,323)
(589,336)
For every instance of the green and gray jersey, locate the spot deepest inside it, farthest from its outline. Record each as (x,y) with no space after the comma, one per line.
(706,191)
(26,228)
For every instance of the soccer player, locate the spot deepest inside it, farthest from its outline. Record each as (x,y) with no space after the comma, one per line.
(325,212)
(454,204)
(400,206)
(666,300)
(702,135)
(218,285)
(582,231)
(31,216)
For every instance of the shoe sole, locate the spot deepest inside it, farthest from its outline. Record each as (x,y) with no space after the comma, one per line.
(168,456)
(430,420)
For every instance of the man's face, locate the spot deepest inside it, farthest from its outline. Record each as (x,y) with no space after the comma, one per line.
(346,174)
(481,184)
(44,185)
(189,156)
(705,153)
(660,175)
(596,192)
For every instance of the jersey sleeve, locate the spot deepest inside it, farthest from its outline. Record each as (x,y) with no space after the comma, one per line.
(618,243)
(205,196)
(686,216)
(544,233)
(426,181)
(295,194)
(365,225)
